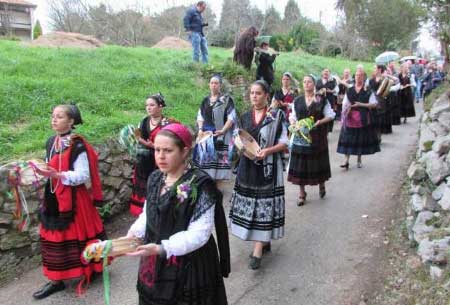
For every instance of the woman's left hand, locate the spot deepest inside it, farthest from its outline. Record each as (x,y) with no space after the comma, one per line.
(317,123)
(262,154)
(145,250)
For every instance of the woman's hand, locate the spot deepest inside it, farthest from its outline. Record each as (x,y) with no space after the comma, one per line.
(317,123)
(262,154)
(145,143)
(48,172)
(219,133)
(357,104)
(146,250)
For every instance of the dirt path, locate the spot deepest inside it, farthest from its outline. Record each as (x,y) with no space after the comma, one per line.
(330,255)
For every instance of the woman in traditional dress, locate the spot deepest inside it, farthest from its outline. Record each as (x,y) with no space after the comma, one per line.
(257,204)
(405,93)
(245,47)
(284,97)
(358,136)
(330,89)
(393,99)
(264,62)
(383,107)
(310,165)
(344,83)
(217,114)
(69,219)
(145,163)
(179,259)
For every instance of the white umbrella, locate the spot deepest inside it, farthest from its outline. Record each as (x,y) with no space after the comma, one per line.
(411,57)
(386,57)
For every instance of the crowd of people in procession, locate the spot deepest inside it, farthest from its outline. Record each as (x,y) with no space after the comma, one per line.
(177,197)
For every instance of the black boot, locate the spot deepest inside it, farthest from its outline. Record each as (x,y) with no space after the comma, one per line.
(48,289)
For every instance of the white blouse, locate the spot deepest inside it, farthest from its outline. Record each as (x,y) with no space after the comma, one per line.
(80,173)
(328,112)
(184,242)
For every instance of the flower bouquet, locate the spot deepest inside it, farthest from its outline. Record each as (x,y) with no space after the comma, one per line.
(300,132)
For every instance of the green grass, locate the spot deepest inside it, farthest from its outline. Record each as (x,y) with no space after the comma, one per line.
(110,85)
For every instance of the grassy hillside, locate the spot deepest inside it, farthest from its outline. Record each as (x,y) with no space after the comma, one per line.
(109,85)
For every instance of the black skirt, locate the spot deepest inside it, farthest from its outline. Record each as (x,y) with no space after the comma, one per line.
(358,141)
(309,169)
(198,281)
(394,107)
(407,103)
(385,122)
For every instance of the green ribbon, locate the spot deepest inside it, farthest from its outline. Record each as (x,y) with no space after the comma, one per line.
(106,279)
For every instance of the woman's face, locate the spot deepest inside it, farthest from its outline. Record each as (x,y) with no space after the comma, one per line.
(214,85)
(61,122)
(308,84)
(326,74)
(169,157)
(152,107)
(286,81)
(346,73)
(258,96)
(404,68)
(359,77)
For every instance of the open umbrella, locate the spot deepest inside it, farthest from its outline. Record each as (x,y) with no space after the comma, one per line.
(386,57)
(412,57)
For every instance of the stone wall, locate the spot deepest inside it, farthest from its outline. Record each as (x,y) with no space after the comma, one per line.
(428,212)
(21,250)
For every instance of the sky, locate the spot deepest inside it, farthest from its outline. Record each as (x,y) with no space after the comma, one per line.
(317,10)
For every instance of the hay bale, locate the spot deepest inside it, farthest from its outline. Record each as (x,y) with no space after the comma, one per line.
(170,42)
(67,40)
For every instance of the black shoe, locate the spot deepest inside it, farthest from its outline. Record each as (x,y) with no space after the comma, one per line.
(345,165)
(48,289)
(301,200)
(322,191)
(255,262)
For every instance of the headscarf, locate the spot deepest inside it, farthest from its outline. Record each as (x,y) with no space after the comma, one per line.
(181,132)
(217,77)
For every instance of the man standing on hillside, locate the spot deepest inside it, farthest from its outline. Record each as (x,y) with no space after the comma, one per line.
(193,23)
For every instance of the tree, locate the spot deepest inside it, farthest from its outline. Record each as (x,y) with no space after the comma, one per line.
(307,35)
(438,12)
(291,16)
(68,15)
(273,23)
(37,30)
(235,17)
(385,24)
(5,20)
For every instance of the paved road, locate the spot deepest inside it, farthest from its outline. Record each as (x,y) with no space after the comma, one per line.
(330,254)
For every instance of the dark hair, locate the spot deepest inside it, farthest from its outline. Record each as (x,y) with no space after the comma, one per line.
(159,98)
(72,112)
(381,67)
(201,3)
(263,85)
(178,142)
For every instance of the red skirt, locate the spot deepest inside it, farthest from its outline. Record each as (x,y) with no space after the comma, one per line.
(62,249)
